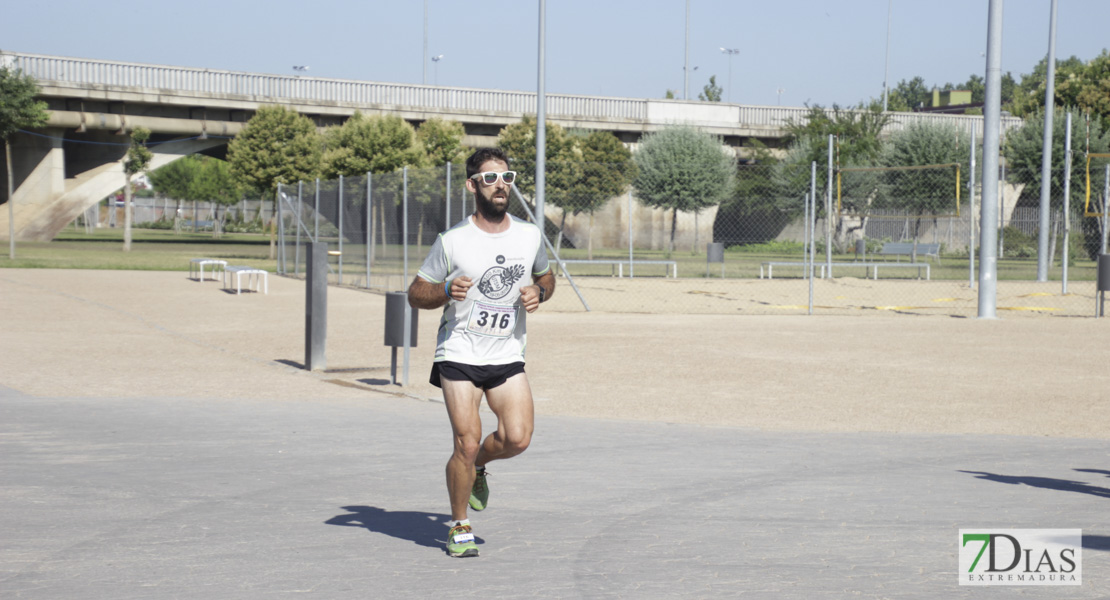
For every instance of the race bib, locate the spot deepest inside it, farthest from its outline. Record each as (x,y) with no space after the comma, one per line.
(492,320)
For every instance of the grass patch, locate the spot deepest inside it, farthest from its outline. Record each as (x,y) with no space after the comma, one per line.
(151,250)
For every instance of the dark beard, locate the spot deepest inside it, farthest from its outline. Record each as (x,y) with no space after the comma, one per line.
(489,210)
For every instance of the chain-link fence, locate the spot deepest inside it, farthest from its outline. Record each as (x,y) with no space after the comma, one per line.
(246,215)
(879,241)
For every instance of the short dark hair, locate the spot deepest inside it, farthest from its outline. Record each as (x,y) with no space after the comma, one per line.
(479,158)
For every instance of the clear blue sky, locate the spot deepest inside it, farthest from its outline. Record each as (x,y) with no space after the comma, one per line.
(818,51)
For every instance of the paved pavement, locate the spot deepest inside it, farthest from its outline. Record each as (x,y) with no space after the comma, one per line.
(163,497)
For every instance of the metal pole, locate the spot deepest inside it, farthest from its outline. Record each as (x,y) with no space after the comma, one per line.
(631,264)
(1067,204)
(339,209)
(298,215)
(1046,151)
(281,229)
(405,281)
(370,225)
(447,200)
(992,110)
(425,61)
(886,71)
(811,226)
(686,67)
(828,213)
(541,123)
(1105,210)
(971,216)
(316,208)
(316,307)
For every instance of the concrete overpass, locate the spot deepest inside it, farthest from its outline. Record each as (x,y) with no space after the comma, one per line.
(76,160)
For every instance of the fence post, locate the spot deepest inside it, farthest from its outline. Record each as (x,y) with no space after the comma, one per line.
(281,230)
(339,209)
(316,209)
(447,200)
(299,213)
(405,280)
(370,227)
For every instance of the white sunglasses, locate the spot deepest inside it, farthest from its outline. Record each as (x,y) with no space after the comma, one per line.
(490,177)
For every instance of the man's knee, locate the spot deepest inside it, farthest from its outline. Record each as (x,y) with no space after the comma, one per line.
(517,439)
(467,447)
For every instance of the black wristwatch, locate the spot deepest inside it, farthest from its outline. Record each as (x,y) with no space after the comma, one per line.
(543,292)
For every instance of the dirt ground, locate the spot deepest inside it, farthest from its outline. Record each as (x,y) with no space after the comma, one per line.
(890,367)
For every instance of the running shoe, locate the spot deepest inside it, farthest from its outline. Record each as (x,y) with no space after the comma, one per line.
(479,494)
(460,542)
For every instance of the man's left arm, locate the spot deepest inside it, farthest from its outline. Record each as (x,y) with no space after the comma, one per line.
(530,294)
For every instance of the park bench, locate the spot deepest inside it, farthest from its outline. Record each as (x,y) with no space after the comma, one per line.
(670,266)
(900,249)
(871,268)
(254,278)
(198,264)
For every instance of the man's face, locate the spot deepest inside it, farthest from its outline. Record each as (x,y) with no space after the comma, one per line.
(492,200)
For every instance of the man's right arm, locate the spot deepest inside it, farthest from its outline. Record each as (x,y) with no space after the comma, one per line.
(425,294)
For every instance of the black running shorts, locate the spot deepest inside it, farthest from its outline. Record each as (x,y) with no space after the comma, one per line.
(485,377)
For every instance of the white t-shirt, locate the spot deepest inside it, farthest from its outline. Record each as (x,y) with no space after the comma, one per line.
(488,328)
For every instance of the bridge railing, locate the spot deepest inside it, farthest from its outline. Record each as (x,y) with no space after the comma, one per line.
(189,80)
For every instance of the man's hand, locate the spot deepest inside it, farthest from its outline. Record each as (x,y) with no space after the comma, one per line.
(530,297)
(459,287)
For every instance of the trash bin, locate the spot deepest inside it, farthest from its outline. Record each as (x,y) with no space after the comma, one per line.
(715,253)
(861,249)
(395,303)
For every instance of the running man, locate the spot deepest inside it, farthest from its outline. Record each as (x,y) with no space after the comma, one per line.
(477,271)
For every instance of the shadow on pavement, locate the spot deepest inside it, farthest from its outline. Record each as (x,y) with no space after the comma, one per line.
(1090,542)
(421,528)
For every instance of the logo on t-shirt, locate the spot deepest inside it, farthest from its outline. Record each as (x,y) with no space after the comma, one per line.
(497,281)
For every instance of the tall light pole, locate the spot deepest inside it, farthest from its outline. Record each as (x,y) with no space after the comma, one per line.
(300,69)
(781,90)
(425,80)
(686,65)
(730,52)
(886,71)
(435,75)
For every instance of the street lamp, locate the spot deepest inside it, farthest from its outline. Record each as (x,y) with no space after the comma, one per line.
(730,52)
(300,68)
(436,59)
(781,90)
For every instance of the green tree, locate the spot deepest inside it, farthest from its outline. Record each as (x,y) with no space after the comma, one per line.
(1023,153)
(923,191)
(518,140)
(1087,87)
(174,180)
(1028,95)
(857,135)
(604,170)
(136,161)
(374,144)
(442,141)
(908,95)
(767,196)
(682,169)
(213,182)
(711,92)
(276,146)
(18,110)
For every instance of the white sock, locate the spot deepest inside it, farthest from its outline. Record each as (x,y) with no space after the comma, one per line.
(455,523)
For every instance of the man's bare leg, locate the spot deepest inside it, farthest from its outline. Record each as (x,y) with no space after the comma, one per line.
(462,399)
(512,403)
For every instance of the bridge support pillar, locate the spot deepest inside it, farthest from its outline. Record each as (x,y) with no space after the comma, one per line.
(39,176)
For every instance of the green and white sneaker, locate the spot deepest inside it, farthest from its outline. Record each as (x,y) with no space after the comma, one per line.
(479,494)
(460,542)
